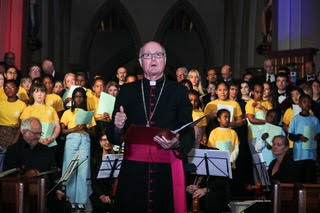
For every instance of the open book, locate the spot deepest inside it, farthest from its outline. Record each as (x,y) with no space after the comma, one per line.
(144,134)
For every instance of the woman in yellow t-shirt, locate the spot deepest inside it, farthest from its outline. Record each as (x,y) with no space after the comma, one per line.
(47,115)
(10,112)
(77,141)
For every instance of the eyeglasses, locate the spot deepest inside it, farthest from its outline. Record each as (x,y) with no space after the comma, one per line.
(150,55)
(36,133)
(9,88)
(12,73)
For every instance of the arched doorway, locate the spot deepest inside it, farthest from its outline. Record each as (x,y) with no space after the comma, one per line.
(112,41)
(185,38)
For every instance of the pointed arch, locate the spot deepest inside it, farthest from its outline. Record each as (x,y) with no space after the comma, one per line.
(95,24)
(197,26)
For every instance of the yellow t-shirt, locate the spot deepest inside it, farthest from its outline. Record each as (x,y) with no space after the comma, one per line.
(196,114)
(43,112)
(89,93)
(213,105)
(22,94)
(54,101)
(253,110)
(69,118)
(223,139)
(10,112)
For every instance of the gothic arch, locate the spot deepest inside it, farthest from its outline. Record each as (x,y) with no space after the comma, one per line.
(199,27)
(121,57)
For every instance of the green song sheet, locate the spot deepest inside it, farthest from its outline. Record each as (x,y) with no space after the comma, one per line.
(84,117)
(47,131)
(224,145)
(309,132)
(272,130)
(106,104)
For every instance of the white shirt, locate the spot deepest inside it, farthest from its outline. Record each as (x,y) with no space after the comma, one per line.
(272,77)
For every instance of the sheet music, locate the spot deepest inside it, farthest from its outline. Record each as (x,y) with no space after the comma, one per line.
(107,165)
(218,162)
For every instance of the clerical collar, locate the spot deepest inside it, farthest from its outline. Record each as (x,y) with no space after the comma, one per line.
(153,82)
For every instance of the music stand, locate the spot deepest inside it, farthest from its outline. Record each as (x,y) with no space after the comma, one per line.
(211,162)
(110,166)
(261,170)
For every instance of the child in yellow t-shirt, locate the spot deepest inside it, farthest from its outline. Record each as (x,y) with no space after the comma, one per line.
(199,129)
(26,83)
(52,99)
(47,115)
(77,140)
(223,101)
(223,137)
(10,112)
(256,110)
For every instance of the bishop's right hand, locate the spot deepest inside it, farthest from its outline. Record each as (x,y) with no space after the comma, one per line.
(120,118)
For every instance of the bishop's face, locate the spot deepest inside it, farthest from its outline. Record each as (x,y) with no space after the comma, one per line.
(152,60)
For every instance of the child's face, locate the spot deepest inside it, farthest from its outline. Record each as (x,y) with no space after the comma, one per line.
(266,90)
(305,104)
(11,74)
(98,87)
(194,101)
(222,92)
(224,119)
(70,81)
(315,87)
(257,92)
(244,89)
(233,91)
(39,96)
(271,118)
(48,84)
(58,87)
(10,90)
(81,81)
(113,90)
(78,99)
(295,95)
(26,84)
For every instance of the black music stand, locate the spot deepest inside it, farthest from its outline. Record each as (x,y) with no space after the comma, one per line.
(110,166)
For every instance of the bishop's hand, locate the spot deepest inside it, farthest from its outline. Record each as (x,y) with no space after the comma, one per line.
(120,118)
(166,143)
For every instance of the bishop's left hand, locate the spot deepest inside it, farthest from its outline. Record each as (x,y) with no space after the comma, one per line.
(166,143)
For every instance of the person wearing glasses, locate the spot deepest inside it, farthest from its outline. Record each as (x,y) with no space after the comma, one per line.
(11,73)
(151,178)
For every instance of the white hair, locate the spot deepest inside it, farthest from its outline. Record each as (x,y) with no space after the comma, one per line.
(26,123)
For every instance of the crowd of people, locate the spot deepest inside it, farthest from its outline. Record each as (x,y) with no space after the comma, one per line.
(263,112)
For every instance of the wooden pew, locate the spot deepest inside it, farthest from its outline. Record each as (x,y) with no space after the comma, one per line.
(12,195)
(23,194)
(283,197)
(309,198)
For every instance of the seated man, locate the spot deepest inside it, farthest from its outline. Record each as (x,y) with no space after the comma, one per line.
(28,153)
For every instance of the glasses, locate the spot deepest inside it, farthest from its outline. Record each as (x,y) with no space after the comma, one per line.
(36,133)
(12,73)
(10,88)
(150,55)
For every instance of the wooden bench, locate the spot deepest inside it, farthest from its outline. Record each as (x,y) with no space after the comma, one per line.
(283,196)
(309,198)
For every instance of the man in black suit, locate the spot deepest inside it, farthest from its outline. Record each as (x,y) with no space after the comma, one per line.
(310,74)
